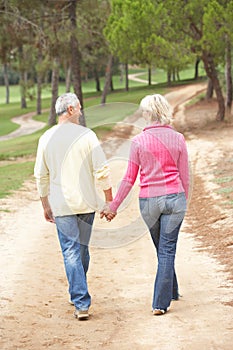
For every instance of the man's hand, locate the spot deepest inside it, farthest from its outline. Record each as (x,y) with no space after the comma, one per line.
(48,214)
(107,213)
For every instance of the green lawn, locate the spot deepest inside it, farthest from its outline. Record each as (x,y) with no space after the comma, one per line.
(109,111)
(90,95)
(87,87)
(158,75)
(12,176)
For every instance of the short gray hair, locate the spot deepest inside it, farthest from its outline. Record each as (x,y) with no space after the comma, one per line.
(157,109)
(64,101)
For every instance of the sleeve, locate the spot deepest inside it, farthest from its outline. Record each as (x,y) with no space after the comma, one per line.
(41,171)
(129,177)
(101,170)
(183,166)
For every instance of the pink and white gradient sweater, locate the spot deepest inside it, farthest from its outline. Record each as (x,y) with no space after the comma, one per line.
(160,153)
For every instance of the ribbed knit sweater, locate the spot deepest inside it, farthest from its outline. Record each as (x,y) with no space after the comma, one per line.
(160,154)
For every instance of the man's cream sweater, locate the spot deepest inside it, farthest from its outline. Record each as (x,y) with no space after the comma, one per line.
(69,164)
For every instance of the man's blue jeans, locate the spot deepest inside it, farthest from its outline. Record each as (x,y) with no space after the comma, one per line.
(164,215)
(74,232)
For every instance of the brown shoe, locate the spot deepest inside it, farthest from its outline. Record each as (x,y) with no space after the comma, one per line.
(81,314)
(158,312)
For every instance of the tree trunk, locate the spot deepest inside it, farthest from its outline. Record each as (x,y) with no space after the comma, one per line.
(6,82)
(68,78)
(126,77)
(76,58)
(173,74)
(212,74)
(198,60)
(108,76)
(228,78)
(111,84)
(169,77)
(55,85)
(149,75)
(23,78)
(23,88)
(39,83)
(210,90)
(97,80)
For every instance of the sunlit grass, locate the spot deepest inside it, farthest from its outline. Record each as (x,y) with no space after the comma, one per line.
(20,146)
(223,179)
(12,177)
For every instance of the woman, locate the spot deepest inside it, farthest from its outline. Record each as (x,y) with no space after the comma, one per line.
(160,154)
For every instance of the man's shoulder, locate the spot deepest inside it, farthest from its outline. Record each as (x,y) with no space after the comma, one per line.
(85,132)
(49,132)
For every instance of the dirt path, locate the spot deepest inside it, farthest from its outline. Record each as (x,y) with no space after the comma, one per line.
(34,305)
(134,77)
(27,126)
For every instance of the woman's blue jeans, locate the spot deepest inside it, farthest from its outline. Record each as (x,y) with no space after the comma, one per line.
(74,232)
(164,215)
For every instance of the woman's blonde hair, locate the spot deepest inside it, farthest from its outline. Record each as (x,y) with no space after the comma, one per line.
(156,108)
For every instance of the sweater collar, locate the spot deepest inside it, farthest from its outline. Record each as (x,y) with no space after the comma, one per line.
(157,125)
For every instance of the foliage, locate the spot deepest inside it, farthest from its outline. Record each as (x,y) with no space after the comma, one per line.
(140,32)
(163,34)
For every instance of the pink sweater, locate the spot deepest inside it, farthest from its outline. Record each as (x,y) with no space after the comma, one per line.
(160,153)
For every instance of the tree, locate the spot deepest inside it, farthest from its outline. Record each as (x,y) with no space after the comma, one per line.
(6,81)
(117,34)
(108,77)
(54,86)
(228,59)
(5,48)
(76,55)
(93,44)
(203,27)
(139,32)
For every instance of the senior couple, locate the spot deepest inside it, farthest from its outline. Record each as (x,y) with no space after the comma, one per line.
(70,161)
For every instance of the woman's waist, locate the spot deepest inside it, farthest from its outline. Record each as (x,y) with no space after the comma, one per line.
(158,189)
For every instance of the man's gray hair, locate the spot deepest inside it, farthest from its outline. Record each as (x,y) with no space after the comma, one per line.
(156,109)
(64,101)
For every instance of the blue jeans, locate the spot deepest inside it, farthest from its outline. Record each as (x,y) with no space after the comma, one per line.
(74,232)
(163,216)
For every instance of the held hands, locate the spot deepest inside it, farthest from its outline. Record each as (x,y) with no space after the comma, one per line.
(107,213)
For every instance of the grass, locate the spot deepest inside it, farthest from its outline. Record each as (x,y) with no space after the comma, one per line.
(12,176)
(13,110)
(224,179)
(20,147)
(158,75)
(93,109)
(8,111)
(196,99)
(87,87)
(227,194)
(225,190)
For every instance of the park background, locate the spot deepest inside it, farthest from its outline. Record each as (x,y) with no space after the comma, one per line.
(111,53)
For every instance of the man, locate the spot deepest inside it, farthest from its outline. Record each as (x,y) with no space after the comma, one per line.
(69,161)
